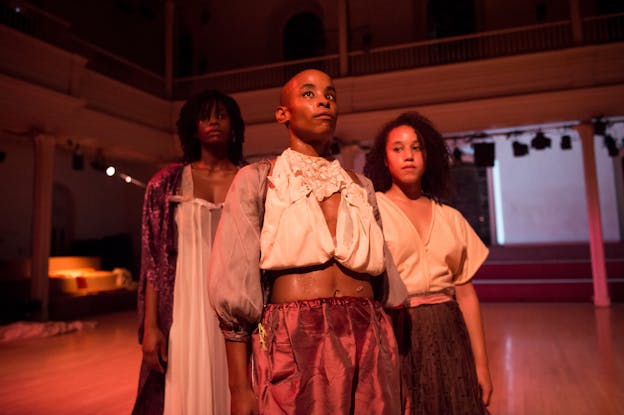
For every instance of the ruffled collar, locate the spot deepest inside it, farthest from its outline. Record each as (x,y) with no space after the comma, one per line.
(321,176)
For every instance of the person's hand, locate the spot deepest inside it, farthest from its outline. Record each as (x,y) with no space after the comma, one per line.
(154,349)
(244,402)
(485,384)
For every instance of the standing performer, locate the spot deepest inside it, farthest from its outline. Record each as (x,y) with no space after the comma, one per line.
(184,368)
(299,260)
(439,330)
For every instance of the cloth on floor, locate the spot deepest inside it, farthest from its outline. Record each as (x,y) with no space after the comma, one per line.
(28,330)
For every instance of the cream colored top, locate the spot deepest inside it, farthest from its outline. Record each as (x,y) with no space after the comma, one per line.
(450,254)
(238,289)
(295,232)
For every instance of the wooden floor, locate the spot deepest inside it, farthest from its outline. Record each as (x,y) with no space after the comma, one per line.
(546,358)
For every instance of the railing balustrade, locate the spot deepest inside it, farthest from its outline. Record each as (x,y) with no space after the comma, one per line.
(484,45)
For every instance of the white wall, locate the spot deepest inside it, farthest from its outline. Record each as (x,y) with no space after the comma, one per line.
(542,195)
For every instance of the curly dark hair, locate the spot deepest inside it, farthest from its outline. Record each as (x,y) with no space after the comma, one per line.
(196,107)
(436,181)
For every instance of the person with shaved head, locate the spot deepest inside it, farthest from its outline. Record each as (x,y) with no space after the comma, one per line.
(300,272)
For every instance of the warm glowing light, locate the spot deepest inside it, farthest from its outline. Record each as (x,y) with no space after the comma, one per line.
(128,179)
(110,171)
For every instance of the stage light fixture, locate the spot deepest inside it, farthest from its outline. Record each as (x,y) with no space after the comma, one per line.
(483,154)
(540,141)
(77,158)
(99,163)
(600,127)
(566,142)
(519,149)
(110,171)
(612,148)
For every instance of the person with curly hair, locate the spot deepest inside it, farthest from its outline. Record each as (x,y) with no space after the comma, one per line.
(184,368)
(439,328)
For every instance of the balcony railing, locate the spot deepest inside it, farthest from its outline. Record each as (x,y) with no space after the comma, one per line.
(463,48)
(484,45)
(39,24)
(257,77)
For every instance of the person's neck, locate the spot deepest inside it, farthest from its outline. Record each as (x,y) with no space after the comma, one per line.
(315,149)
(213,159)
(407,192)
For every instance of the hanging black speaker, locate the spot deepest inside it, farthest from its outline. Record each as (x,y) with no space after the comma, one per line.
(483,154)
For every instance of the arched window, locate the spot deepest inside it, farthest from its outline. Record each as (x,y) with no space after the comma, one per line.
(450,18)
(304,37)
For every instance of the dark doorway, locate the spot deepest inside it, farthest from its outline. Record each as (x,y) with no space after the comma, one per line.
(472,198)
(63,213)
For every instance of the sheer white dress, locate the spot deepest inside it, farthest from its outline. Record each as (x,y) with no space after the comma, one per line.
(197,380)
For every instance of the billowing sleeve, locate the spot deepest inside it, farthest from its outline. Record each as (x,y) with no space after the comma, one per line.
(393,290)
(475,251)
(234,285)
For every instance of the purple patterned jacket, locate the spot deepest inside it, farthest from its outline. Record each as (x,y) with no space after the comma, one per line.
(158,266)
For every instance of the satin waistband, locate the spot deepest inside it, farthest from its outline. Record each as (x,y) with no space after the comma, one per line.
(429,297)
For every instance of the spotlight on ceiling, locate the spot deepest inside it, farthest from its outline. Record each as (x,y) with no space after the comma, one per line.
(566,142)
(110,171)
(612,149)
(519,149)
(77,158)
(600,126)
(540,141)
(483,154)
(99,163)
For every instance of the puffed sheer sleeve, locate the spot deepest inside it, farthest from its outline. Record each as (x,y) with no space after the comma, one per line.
(392,289)
(235,287)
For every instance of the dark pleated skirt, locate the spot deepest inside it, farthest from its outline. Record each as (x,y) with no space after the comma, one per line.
(437,366)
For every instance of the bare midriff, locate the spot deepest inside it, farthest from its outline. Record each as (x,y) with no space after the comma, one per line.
(321,281)
(327,280)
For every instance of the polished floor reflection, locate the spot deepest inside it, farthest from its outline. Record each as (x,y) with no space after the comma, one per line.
(546,358)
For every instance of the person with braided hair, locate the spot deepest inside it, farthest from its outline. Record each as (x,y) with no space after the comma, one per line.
(184,369)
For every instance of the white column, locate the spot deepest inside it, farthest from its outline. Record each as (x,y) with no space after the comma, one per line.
(343,37)
(169,22)
(596,243)
(42,221)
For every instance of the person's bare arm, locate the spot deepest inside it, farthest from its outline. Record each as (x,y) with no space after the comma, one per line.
(471,310)
(243,398)
(154,342)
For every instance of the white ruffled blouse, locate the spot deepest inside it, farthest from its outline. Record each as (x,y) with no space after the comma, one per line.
(295,232)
